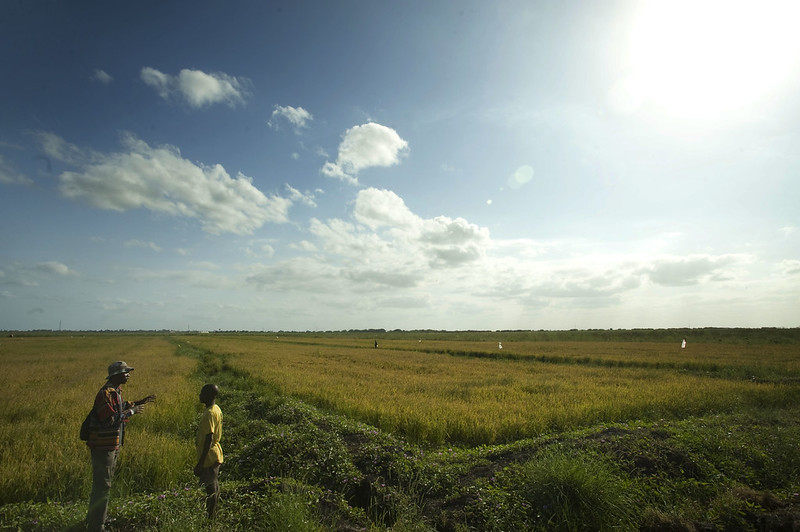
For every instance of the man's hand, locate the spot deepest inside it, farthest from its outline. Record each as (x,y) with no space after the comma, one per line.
(197,470)
(138,409)
(146,400)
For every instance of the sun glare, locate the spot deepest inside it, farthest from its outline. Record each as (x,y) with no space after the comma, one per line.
(707,57)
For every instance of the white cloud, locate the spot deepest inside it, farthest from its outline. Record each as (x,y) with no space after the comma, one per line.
(304,245)
(28,275)
(204,265)
(446,242)
(297,117)
(160,180)
(259,248)
(141,244)
(162,83)
(102,76)
(684,271)
(204,275)
(196,87)
(390,235)
(387,257)
(296,196)
(347,240)
(377,208)
(381,277)
(789,267)
(572,282)
(61,150)
(565,276)
(454,241)
(267,250)
(391,246)
(53,268)
(365,146)
(9,175)
(297,275)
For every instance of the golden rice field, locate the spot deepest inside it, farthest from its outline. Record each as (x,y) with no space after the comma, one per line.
(418,389)
(48,384)
(784,358)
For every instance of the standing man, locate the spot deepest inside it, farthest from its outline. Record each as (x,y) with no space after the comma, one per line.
(106,436)
(209,451)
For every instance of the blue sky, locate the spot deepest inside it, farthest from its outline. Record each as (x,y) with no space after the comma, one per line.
(444,165)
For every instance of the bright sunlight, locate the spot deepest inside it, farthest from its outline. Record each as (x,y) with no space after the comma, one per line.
(698,59)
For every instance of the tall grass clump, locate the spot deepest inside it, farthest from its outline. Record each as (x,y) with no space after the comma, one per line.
(558,490)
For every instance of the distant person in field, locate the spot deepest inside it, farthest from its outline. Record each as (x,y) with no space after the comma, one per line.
(106,436)
(683,343)
(209,451)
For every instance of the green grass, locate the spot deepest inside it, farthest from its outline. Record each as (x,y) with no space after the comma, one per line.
(556,490)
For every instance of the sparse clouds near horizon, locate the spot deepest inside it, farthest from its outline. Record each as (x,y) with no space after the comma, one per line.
(683,271)
(387,247)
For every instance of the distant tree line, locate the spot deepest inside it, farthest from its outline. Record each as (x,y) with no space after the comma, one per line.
(763,335)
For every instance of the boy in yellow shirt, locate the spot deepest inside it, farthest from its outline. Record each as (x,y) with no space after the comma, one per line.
(209,451)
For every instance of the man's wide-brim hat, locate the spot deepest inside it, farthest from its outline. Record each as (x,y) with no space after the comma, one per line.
(118,367)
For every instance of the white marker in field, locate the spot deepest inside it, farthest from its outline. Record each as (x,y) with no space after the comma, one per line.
(499,345)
